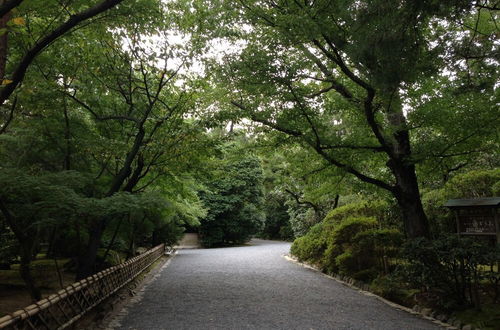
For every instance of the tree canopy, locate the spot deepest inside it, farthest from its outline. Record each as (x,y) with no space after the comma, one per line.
(124,122)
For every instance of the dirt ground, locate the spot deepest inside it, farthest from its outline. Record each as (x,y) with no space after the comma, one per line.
(13,298)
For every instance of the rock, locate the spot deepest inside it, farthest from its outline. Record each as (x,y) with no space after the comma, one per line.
(426,311)
(416,308)
(457,324)
(467,327)
(441,317)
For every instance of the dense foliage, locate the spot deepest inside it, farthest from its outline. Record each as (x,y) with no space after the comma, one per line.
(99,149)
(362,240)
(344,124)
(353,240)
(233,200)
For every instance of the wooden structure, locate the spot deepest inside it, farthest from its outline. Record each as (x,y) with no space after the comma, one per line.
(477,216)
(63,308)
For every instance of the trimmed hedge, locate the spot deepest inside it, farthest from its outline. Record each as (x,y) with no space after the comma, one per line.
(349,241)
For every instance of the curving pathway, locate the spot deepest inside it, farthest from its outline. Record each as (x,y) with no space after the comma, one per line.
(254,287)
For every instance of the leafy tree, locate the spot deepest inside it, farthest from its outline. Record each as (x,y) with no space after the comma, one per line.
(349,79)
(31,201)
(95,119)
(66,18)
(233,200)
(277,220)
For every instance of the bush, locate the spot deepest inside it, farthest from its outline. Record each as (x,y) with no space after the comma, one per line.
(311,246)
(450,269)
(376,209)
(390,287)
(480,183)
(343,254)
(348,241)
(112,259)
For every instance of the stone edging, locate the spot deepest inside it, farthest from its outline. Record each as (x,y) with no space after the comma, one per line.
(449,323)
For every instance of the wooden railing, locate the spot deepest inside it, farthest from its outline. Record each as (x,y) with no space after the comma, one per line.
(63,308)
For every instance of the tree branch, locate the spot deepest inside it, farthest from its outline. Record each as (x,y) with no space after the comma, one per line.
(297,199)
(100,118)
(267,122)
(356,173)
(320,151)
(8,6)
(22,67)
(353,147)
(340,88)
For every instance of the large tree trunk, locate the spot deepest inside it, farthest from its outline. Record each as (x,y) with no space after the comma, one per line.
(87,261)
(406,189)
(407,195)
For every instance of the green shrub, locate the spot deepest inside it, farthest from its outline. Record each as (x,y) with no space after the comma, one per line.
(480,183)
(348,241)
(441,219)
(311,246)
(382,242)
(346,263)
(366,275)
(112,259)
(376,209)
(390,287)
(342,242)
(451,268)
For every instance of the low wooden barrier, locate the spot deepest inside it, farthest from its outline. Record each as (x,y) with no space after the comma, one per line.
(63,308)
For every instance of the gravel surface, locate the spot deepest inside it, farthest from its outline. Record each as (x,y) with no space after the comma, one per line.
(254,287)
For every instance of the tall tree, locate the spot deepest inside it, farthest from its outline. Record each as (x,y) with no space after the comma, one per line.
(233,198)
(338,76)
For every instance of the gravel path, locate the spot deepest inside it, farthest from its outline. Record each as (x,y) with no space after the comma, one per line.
(254,287)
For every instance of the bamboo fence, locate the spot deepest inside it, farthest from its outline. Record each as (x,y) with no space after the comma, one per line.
(63,308)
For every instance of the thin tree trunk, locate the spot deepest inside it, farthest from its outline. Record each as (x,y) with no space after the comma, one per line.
(86,262)
(59,275)
(25,272)
(113,239)
(27,243)
(67,137)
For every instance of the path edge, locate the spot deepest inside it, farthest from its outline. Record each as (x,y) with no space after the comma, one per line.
(114,318)
(351,285)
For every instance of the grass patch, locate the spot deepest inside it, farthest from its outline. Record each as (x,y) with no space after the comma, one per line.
(44,273)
